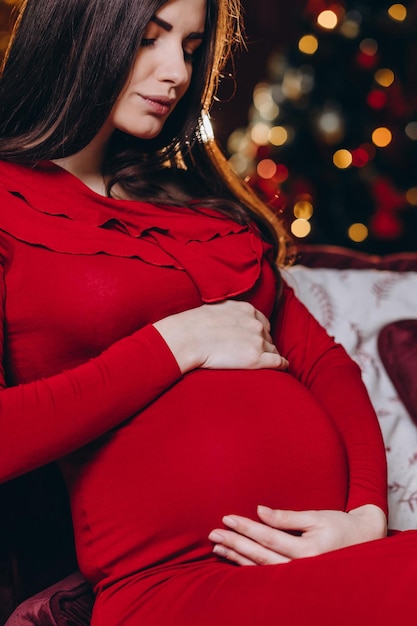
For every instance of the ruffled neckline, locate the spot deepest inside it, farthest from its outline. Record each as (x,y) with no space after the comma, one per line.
(48,206)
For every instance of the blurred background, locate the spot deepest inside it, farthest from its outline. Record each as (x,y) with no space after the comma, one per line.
(319,114)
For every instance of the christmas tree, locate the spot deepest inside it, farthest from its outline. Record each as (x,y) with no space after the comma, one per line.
(332,136)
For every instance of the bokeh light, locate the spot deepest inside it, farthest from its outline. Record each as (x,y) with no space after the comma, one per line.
(308,44)
(411,196)
(303,209)
(260,133)
(411,130)
(368,46)
(384,77)
(358,232)
(266,168)
(382,137)
(342,159)
(350,26)
(281,173)
(376,99)
(397,12)
(278,135)
(300,228)
(360,157)
(327,19)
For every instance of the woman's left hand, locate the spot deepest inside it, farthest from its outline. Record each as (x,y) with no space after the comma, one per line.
(272,541)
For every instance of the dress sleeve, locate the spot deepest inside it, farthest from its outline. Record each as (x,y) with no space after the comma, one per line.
(335,380)
(44,420)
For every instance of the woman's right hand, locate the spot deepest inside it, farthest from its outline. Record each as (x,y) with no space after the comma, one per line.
(226,335)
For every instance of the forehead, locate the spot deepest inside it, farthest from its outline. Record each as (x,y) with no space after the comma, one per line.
(187,14)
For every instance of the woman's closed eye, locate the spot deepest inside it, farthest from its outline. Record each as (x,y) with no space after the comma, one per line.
(147,42)
(188,54)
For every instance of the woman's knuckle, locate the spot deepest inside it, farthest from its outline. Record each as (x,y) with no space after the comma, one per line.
(257,326)
(261,559)
(268,541)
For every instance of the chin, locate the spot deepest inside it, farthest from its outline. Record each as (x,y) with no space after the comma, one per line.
(143,133)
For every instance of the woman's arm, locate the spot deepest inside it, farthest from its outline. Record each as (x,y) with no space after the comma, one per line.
(46,419)
(335,380)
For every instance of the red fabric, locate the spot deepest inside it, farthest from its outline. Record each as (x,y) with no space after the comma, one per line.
(68,602)
(161,457)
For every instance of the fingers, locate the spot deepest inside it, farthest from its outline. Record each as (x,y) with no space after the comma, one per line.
(271,358)
(242,550)
(286,520)
(264,320)
(269,346)
(272,538)
(253,541)
(232,555)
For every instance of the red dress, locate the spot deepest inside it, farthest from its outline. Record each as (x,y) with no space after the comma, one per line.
(153,460)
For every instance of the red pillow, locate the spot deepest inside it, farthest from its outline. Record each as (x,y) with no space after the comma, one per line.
(69,601)
(397,346)
(337,257)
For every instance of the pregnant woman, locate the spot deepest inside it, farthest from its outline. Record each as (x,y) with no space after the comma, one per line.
(223,461)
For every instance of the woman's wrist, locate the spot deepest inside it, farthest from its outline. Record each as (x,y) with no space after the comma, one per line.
(374,517)
(178,342)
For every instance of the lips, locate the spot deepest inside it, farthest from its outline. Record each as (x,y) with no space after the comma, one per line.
(159,104)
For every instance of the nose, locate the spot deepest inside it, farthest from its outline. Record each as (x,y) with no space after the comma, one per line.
(173,67)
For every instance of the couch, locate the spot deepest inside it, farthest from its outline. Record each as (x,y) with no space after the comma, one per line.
(368,303)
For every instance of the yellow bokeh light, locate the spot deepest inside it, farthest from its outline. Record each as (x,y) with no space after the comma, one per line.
(262,95)
(266,168)
(358,232)
(278,135)
(303,209)
(382,137)
(397,12)
(342,159)
(327,19)
(300,228)
(260,133)
(308,44)
(384,77)
(236,140)
(411,196)
(269,110)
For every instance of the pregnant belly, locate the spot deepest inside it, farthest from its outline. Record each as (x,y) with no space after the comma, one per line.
(215,443)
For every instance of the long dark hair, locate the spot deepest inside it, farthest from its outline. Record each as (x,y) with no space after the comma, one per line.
(65,67)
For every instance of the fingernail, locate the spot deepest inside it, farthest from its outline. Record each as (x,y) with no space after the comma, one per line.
(216,536)
(230,521)
(220,550)
(264,510)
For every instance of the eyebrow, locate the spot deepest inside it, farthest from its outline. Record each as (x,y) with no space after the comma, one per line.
(168,27)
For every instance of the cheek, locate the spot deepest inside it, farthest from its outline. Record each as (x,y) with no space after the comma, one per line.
(186,86)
